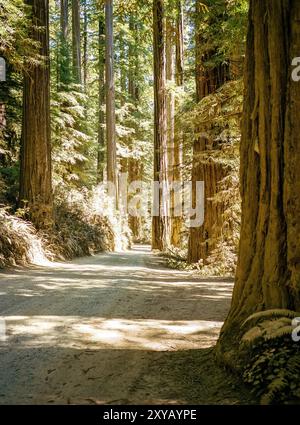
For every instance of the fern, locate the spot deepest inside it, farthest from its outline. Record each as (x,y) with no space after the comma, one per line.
(271,313)
(277,385)
(273,364)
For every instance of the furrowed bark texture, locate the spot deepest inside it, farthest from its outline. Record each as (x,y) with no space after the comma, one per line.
(268,273)
(110,98)
(160,223)
(35,176)
(208,170)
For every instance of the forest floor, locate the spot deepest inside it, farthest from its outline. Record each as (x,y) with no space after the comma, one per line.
(114,328)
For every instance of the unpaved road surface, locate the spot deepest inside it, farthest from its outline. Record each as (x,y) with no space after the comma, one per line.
(115,328)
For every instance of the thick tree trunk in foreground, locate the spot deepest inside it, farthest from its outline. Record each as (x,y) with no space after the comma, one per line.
(268,273)
(160,221)
(110,97)
(35,176)
(76,41)
(210,171)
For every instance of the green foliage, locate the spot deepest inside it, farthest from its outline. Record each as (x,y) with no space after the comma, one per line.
(16,46)
(70,144)
(273,313)
(222,28)
(272,365)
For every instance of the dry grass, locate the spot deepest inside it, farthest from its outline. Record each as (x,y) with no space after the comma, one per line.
(80,229)
(77,234)
(19,242)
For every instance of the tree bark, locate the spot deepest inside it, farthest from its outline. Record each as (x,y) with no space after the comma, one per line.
(101,94)
(160,229)
(35,175)
(110,97)
(268,273)
(64,68)
(76,42)
(176,221)
(135,167)
(210,171)
(85,45)
(170,100)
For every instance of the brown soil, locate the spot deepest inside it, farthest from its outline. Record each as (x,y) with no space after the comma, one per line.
(116,328)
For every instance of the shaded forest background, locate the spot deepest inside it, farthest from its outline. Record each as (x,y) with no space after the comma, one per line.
(202,58)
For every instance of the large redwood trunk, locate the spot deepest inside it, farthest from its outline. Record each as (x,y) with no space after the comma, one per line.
(177,220)
(205,168)
(135,165)
(268,273)
(160,230)
(111,154)
(35,176)
(101,101)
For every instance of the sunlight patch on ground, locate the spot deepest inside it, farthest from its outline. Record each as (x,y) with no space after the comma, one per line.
(100,333)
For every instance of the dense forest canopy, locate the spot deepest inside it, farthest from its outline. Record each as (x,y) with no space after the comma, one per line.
(102,96)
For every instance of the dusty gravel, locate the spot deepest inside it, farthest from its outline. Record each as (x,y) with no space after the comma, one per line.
(116,328)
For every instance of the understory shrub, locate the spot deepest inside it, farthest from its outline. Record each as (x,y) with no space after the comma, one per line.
(271,358)
(83,226)
(86,224)
(19,242)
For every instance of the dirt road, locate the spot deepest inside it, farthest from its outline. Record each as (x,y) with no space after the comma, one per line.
(113,328)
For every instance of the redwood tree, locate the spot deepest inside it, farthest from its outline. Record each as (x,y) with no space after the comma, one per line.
(101,102)
(159,221)
(64,60)
(76,41)
(35,175)
(208,79)
(110,95)
(176,220)
(268,273)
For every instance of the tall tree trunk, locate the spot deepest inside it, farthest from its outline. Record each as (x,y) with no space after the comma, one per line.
(160,220)
(76,41)
(176,221)
(101,94)
(64,60)
(134,165)
(35,175)
(179,44)
(268,273)
(170,99)
(85,45)
(211,172)
(123,71)
(110,97)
